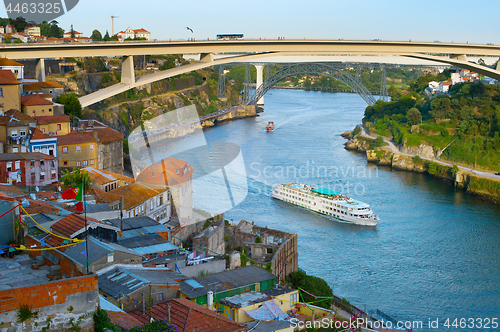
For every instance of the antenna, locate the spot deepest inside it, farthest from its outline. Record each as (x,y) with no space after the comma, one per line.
(113,25)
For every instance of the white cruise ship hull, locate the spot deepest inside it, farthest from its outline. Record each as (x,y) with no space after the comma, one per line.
(333,207)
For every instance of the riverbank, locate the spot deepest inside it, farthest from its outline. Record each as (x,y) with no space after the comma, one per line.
(238,112)
(421,160)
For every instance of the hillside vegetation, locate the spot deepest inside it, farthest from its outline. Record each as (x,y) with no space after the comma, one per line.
(465,123)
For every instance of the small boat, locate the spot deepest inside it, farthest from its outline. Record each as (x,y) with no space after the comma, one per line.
(270,126)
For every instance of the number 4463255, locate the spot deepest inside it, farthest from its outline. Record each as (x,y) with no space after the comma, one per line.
(41,8)
(472,323)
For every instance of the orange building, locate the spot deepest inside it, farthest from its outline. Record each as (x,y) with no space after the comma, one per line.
(35,106)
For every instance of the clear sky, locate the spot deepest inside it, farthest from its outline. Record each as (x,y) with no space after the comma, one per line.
(425,20)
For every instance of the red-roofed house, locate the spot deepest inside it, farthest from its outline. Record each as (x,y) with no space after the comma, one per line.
(132,34)
(77,149)
(109,145)
(177,175)
(55,125)
(16,68)
(15,131)
(35,106)
(107,181)
(43,143)
(68,34)
(189,316)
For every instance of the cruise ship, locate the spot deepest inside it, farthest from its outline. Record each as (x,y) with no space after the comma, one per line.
(327,202)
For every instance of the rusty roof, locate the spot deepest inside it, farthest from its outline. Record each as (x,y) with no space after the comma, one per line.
(17,115)
(37,134)
(72,224)
(75,137)
(34,100)
(123,319)
(189,316)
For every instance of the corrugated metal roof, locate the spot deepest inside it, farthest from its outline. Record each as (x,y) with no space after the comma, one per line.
(155,248)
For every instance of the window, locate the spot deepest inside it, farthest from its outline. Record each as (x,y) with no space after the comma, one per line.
(153,175)
(65,149)
(43,130)
(78,148)
(22,132)
(293,299)
(91,147)
(270,251)
(52,164)
(32,163)
(50,109)
(42,176)
(85,163)
(43,111)
(111,257)
(42,163)
(78,163)
(33,177)
(65,163)
(23,148)
(1,92)
(18,165)
(152,204)
(9,166)
(58,126)
(92,162)
(13,132)
(177,171)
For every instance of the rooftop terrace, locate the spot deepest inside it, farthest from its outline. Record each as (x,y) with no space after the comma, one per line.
(16,272)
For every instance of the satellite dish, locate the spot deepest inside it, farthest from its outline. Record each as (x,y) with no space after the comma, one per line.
(37,189)
(59,188)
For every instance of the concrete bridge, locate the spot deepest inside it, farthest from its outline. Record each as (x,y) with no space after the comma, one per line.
(448,53)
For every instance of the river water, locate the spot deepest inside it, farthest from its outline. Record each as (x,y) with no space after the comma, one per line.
(435,254)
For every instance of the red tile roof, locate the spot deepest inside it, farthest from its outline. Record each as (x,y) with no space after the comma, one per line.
(123,319)
(106,197)
(75,137)
(133,194)
(37,134)
(72,224)
(50,84)
(9,62)
(6,77)
(43,120)
(199,319)
(103,177)
(106,134)
(37,206)
(18,116)
(48,195)
(140,30)
(168,168)
(34,100)
(11,191)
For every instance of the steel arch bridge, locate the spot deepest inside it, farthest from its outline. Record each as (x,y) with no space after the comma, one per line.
(312,68)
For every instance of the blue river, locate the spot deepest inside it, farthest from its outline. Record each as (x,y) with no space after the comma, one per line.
(435,254)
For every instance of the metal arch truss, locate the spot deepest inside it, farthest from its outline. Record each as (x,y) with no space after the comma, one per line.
(319,68)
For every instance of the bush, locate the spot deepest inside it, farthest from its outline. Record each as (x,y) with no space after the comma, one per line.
(313,285)
(356,131)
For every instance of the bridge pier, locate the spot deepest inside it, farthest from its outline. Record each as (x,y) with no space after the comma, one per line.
(260,81)
(128,73)
(40,70)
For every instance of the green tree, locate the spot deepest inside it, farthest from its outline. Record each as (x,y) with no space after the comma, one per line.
(55,30)
(72,106)
(313,285)
(106,36)
(75,177)
(19,23)
(413,115)
(113,38)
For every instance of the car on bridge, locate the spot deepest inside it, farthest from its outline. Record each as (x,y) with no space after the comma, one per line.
(497,173)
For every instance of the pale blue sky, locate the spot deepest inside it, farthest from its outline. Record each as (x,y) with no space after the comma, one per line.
(426,20)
